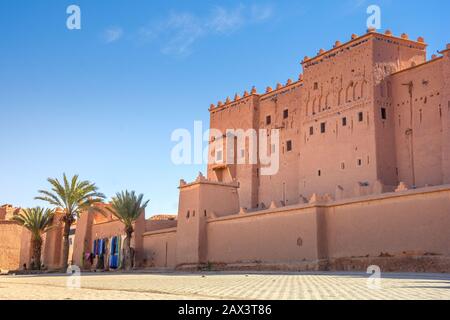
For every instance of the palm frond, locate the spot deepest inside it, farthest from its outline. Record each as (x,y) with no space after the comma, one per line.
(127,207)
(72,195)
(37,220)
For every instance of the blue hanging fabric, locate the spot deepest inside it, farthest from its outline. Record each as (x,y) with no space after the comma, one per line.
(113,262)
(99,247)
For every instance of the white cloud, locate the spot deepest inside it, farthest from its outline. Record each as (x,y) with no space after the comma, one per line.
(261,12)
(224,20)
(183,30)
(112,34)
(179,31)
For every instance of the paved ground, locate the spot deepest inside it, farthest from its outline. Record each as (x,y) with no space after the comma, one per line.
(276,286)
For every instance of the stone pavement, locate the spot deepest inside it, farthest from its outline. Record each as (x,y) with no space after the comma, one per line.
(227,285)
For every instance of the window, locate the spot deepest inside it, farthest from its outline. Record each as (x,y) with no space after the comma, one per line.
(342,165)
(359,162)
(323,127)
(268,120)
(205,213)
(285,114)
(360,117)
(344,121)
(316,85)
(383,114)
(219,155)
(319,173)
(289,145)
(311,131)
(188,214)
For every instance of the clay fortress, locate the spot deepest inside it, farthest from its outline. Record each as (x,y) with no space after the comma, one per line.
(364,175)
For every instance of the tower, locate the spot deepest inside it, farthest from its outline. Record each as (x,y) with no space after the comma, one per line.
(200,201)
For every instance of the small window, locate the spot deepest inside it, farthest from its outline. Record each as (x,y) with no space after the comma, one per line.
(360,117)
(286,114)
(319,173)
(219,155)
(268,120)
(316,85)
(323,127)
(311,131)
(289,145)
(383,114)
(204,213)
(193,213)
(344,121)
(188,214)
(359,162)
(342,165)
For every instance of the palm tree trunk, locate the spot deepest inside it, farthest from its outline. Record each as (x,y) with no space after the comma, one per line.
(127,251)
(36,244)
(66,245)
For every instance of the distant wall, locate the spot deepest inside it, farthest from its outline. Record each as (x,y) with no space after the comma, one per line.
(153,225)
(107,230)
(14,246)
(160,248)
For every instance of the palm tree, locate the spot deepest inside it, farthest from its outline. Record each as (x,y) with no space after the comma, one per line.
(127,207)
(74,198)
(38,221)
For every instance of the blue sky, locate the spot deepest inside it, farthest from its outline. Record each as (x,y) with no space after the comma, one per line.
(103,101)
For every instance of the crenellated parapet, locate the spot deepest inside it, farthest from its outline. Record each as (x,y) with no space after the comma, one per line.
(356,40)
(201,179)
(254,93)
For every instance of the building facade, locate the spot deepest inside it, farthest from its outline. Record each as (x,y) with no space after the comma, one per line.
(363,171)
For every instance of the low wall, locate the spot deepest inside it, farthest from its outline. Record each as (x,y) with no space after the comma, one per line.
(160,248)
(414,222)
(283,236)
(393,225)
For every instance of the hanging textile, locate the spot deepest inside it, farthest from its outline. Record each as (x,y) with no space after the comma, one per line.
(100,247)
(119,251)
(112,253)
(114,261)
(95,249)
